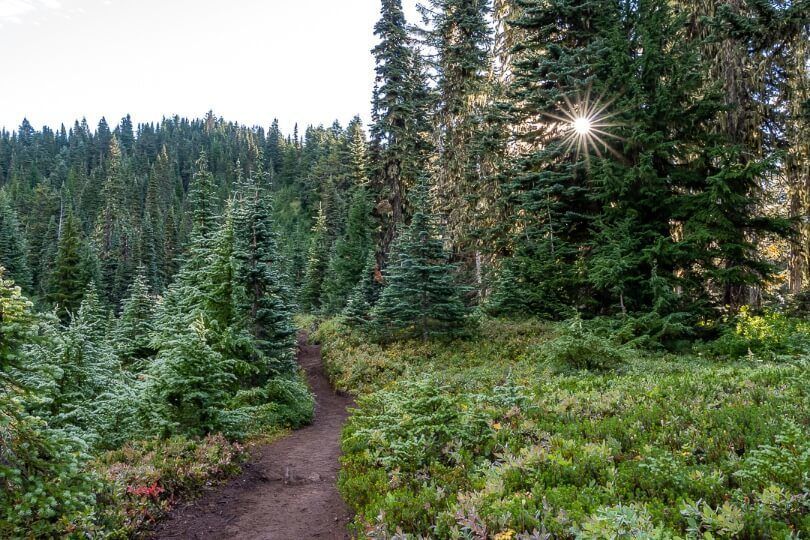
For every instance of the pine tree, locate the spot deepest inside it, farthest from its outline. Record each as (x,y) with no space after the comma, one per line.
(399,128)
(461,35)
(13,247)
(189,384)
(73,269)
(266,298)
(350,253)
(365,294)
(134,327)
(421,297)
(317,265)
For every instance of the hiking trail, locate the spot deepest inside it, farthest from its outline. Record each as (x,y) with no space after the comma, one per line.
(287,489)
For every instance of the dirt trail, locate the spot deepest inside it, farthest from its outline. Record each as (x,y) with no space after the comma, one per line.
(287,490)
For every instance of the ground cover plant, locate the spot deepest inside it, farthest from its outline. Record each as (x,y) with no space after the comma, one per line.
(517,434)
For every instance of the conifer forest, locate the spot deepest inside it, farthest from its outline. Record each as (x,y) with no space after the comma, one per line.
(563,274)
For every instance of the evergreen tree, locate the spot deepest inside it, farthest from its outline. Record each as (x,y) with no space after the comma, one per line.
(153,234)
(189,385)
(317,265)
(42,235)
(399,113)
(134,327)
(13,248)
(84,368)
(185,298)
(114,236)
(365,294)
(421,297)
(72,271)
(38,465)
(94,313)
(357,153)
(221,294)
(17,328)
(683,190)
(350,253)
(266,298)
(461,35)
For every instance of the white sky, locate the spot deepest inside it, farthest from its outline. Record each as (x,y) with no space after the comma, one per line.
(248,60)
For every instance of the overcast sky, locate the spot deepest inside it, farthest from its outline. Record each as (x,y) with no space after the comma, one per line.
(305,61)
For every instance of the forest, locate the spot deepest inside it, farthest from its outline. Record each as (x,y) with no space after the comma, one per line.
(564,272)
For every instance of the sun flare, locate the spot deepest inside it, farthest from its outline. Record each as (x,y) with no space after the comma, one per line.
(586,125)
(582,125)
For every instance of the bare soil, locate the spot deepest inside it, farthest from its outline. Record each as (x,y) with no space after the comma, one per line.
(287,489)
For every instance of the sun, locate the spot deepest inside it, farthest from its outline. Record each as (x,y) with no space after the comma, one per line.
(586,125)
(582,125)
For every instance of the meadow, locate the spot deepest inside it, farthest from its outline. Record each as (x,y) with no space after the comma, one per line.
(551,430)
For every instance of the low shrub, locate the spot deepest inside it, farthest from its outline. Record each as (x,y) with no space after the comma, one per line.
(45,491)
(146,478)
(769,335)
(477,439)
(577,347)
(281,403)
(620,522)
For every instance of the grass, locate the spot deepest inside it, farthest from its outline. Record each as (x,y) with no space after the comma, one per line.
(497,437)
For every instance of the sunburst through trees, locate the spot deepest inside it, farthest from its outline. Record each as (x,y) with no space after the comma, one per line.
(587,126)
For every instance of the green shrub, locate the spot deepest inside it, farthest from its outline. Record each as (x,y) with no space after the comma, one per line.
(477,439)
(147,477)
(45,491)
(769,334)
(619,523)
(281,403)
(578,347)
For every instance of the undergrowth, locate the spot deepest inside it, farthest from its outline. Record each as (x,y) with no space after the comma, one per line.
(535,430)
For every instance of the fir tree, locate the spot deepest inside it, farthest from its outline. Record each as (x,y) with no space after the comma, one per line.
(17,328)
(221,295)
(38,465)
(266,298)
(399,112)
(72,271)
(350,253)
(365,294)
(84,367)
(13,248)
(134,327)
(113,236)
(94,312)
(421,297)
(317,265)
(686,194)
(153,236)
(185,298)
(190,384)
(461,35)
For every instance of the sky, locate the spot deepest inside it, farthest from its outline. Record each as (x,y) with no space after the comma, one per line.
(305,61)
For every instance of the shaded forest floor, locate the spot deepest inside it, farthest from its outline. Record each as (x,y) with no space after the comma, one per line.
(287,489)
